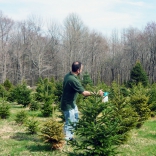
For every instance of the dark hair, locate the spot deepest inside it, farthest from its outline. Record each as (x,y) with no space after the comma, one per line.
(75,66)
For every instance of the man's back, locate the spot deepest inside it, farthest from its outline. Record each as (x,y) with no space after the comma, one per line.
(71,87)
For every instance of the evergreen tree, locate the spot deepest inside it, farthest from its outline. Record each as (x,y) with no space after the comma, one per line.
(138,75)
(139,101)
(44,90)
(21,94)
(3,91)
(7,84)
(152,98)
(52,133)
(128,115)
(58,91)
(4,110)
(45,93)
(47,108)
(86,80)
(96,131)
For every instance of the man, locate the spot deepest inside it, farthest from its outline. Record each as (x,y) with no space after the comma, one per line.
(71,88)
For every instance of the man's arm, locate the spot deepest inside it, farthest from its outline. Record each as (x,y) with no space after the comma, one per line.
(88,93)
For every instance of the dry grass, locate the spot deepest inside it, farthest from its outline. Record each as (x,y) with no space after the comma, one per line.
(15,141)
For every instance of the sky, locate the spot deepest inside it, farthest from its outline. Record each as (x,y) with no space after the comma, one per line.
(103,16)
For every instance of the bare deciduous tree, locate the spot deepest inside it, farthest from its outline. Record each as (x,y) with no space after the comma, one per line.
(5,29)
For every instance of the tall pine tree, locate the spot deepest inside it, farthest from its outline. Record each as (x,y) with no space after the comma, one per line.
(138,75)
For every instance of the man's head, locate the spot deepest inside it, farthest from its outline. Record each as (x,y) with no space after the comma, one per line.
(76,67)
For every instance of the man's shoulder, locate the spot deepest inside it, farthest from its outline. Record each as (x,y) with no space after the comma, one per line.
(70,76)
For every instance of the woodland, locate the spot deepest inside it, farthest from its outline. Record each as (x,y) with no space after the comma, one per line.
(36,48)
(34,57)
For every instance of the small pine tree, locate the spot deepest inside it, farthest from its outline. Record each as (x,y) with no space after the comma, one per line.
(138,75)
(44,89)
(34,105)
(52,133)
(86,80)
(47,108)
(7,84)
(152,98)
(21,94)
(139,101)
(45,94)
(32,126)
(97,129)
(128,116)
(21,117)
(3,91)
(4,110)
(58,91)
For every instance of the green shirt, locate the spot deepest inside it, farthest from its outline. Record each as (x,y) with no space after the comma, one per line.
(71,88)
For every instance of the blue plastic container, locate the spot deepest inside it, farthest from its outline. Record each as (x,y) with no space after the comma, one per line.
(105,94)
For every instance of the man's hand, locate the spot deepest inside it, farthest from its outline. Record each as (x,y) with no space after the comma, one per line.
(87,93)
(100,92)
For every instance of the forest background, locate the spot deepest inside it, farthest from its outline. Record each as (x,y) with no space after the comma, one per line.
(40,54)
(32,48)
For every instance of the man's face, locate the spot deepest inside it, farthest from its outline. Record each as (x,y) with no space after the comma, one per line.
(80,70)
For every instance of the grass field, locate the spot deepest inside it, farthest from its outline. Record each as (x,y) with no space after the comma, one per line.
(15,141)
(142,142)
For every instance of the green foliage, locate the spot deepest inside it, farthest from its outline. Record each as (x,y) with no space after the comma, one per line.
(97,129)
(103,86)
(127,114)
(45,94)
(47,108)
(80,98)
(21,117)
(4,110)
(58,91)
(32,126)
(11,95)
(61,115)
(138,75)
(44,90)
(52,133)
(141,107)
(34,105)
(87,80)
(3,91)
(7,84)
(124,91)
(139,101)
(152,98)
(139,89)
(21,94)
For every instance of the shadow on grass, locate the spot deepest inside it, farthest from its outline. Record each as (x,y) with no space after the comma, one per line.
(39,148)
(35,144)
(47,148)
(26,137)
